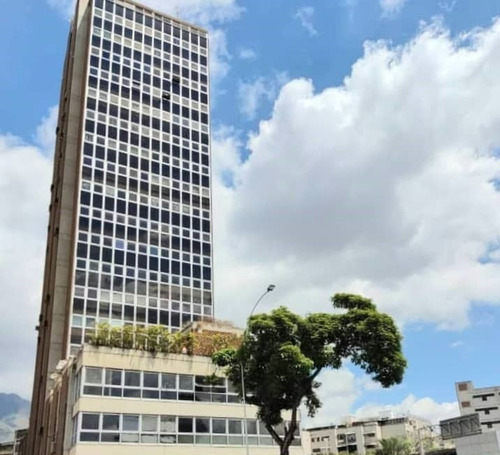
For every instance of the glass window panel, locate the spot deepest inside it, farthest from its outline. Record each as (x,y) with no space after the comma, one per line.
(167,439)
(267,441)
(132,393)
(219,426)
(113,377)
(202,439)
(263,429)
(149,423)
(219,440)
(202,396)
(185,439)
(167,424)
(112,392)
(130,423)
(149,438)
(110,422)
(234,426)
(130,437)
(202,425)
(235,440)
(186,396)
(151,394)
(185,425)
(168,381)
(110,437)
(151,380)
(93,375)
(132,378)
(253,441)
(186,382)
(92,390)
(251,426)
(89,437)
(169,395)
(90,421)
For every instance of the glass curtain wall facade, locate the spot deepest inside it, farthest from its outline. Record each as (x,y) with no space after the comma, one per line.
(129,235)
(143,250)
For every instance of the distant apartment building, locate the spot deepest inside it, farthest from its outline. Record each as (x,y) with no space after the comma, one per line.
(485,401)
(363,436)
(6,448)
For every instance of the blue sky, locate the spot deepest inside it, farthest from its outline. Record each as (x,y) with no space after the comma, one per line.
(378,185)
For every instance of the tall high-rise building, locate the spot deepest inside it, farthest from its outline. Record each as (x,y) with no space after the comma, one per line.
(129,235)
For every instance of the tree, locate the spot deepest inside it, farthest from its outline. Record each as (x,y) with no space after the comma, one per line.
(283,353)
(394,446)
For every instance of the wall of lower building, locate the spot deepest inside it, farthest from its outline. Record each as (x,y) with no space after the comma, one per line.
(484,401)
(481,444)
(66,406)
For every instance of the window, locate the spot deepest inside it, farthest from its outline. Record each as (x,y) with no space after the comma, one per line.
(202,425)
(234,426)
(167,429)
(149,423)
(90,421)
(185,425)
(167,424)
(219,426)
(93,375)
(132,379)
(110,422)
(130,423)
(185,382)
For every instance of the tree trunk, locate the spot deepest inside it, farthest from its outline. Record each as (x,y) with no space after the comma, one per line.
(284,450)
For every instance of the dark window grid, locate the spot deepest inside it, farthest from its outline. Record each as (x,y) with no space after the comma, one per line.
(145,97)
(173,425)
(190,202)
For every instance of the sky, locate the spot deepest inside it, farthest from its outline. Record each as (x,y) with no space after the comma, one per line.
(355,149)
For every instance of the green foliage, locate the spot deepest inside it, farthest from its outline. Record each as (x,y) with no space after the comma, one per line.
(394,446)
(159,339)
(283,353)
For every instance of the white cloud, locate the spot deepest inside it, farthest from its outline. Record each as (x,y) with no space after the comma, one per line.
(447,6)
(379,186)
(391,7)
(421,407)
(305,15)
(25,171)
(247,54)
(46,132)
(65,7)
(252,93)
(341,389)
(457,344)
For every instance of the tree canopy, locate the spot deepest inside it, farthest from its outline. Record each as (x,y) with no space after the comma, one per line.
(283,353)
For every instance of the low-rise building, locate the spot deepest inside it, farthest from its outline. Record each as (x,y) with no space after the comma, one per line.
(112,400)
(6,448)
(20,441)
(485,401)
(487,443)
(363,436)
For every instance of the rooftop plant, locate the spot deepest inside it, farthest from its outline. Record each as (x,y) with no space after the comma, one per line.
(158,339)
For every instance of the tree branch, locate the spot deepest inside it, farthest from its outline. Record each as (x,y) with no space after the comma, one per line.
(275,435)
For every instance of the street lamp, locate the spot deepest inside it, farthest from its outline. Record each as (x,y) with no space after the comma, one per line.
(269,289)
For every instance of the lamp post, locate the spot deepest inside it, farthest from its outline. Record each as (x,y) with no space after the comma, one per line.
(269,289)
